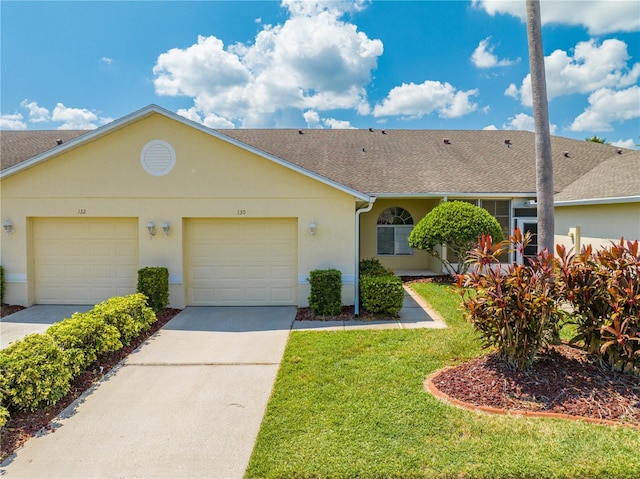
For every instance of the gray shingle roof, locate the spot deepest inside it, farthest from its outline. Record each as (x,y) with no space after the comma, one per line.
(394,161)
(19,146)
(419,161)
(618,177)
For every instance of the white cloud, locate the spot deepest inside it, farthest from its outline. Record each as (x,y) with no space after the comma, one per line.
(314,60)
(598,16)
(75,118)
(416,101)
(592,67)
(483,56)
(37,114)
(490,127)
(607,106)
(12,121)
(522,121)
(210,120)
(338,124)
(107,60)
(311,118)
(630,143)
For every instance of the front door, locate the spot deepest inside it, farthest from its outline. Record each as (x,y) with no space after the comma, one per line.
(528,225)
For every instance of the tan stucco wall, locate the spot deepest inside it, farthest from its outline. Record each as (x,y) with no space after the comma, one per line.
(368,221)
(211,179)
(598,224)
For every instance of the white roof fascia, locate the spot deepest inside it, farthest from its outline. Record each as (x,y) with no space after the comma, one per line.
(454,194)
(599,201)
(137,115)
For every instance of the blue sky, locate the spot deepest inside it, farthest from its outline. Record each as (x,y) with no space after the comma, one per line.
(321,64)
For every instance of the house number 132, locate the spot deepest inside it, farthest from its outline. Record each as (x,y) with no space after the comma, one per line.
(82,211)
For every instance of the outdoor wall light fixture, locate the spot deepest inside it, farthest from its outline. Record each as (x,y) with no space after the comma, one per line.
(151,228)
(166,228)
(8,226)
(312,229)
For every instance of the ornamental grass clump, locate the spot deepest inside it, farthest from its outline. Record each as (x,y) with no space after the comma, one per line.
(603,289)
(513,307)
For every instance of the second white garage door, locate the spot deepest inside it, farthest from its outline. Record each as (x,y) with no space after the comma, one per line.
(247,262)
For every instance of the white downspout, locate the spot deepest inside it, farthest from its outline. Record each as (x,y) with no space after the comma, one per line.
(356,281)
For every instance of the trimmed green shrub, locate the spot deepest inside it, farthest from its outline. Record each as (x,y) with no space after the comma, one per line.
(129,314)
(603,288)
(35,373)
(153,282)
(458,225)
(514,309)
(1,285)
(85,337)
(325,298)
(4,412)
(373,267)
(381,294)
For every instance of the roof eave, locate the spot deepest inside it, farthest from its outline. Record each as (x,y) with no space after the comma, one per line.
(599,201)
(455,194)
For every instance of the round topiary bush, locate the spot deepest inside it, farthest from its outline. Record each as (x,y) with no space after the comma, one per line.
(458,225)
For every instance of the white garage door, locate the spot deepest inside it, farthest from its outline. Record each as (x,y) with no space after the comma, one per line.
(84,261)
(241,262)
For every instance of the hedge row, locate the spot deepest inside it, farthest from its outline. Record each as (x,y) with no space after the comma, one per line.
(37,370)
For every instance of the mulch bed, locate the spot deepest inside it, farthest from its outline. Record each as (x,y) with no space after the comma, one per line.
(347,314)
(561,381)
(24,425)
(8,309)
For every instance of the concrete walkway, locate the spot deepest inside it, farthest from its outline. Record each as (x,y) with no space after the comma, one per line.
(188,403)
(415,313)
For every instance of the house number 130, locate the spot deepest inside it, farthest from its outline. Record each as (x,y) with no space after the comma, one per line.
(242,212)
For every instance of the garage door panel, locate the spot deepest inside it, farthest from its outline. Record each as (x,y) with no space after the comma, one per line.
(256,272)
(230,272)
(84,260)
(245,261)
(282,272)
(284,295)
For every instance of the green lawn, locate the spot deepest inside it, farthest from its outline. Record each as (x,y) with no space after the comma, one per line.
(351,404)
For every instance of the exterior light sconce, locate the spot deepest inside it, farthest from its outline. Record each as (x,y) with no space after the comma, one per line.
(8,226)
(312,229)
(151,228)
(166,228)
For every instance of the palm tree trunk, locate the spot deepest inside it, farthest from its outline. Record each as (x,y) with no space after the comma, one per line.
(544,162)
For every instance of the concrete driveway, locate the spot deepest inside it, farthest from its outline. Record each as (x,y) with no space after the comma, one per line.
(188,403)
(34,319)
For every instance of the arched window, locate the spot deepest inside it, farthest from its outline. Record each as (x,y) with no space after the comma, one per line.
(394,226)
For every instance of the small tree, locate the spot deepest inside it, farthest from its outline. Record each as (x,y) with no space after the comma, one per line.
(458,225)
(597,139)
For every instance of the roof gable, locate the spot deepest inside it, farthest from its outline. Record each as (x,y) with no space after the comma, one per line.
(17,159)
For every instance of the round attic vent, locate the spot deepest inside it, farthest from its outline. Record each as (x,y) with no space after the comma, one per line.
(158,157)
